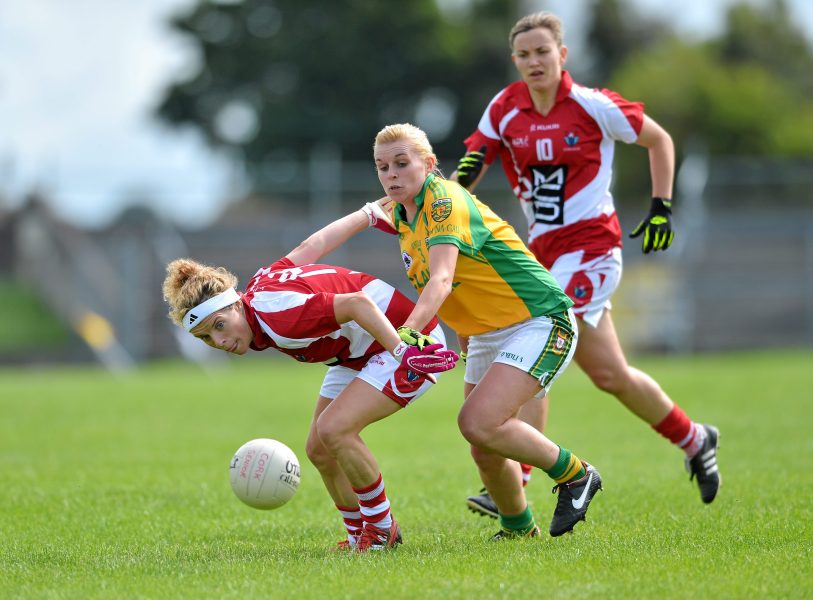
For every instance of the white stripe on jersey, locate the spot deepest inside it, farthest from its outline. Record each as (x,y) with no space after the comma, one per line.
(485,121)
(270,302)
(504,123)
(380,292)
(358,338)
(605,112)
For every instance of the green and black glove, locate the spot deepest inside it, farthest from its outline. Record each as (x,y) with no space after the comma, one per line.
(656,226)
(470,166)
(413,337)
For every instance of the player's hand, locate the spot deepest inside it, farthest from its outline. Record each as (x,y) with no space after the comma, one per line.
(413,337)
(469,167)
(656,226)
(433,358)
(379,215)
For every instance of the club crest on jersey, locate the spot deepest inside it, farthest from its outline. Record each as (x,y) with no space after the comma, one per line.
(571,139)
(407,260)
(441,209)
(412,376)
(561,342)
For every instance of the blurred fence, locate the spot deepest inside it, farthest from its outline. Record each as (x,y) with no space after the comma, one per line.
(740,274)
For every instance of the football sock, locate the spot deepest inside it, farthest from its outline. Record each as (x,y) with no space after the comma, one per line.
(567,467)
(521,523)
(352,522)
(526,473)
(375,508)
(682,431)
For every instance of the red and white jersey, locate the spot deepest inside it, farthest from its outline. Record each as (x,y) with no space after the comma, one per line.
(560,165)
(290,308)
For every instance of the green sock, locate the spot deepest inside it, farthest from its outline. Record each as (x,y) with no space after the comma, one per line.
(521,523)
(566,468)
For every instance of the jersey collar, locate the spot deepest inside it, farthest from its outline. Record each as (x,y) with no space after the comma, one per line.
(526,103)
(400,211)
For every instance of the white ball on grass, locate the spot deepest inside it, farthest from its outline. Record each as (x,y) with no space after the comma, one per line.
(264,473)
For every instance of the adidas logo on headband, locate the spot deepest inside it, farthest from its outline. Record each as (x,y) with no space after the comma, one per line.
(213,304)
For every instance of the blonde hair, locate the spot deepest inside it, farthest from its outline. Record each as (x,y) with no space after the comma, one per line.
(416,137)
(542,19)
(188,283)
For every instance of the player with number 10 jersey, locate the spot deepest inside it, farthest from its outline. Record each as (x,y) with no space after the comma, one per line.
(560,164)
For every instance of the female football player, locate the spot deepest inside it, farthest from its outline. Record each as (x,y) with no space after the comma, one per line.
(343,318)
(471,269)
(555,139)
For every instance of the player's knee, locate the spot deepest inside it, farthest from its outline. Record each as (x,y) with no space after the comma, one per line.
(473,429)
(612,381)
(332,435)
(317,453)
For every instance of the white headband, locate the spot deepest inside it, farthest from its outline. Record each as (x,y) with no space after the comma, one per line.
(195,316)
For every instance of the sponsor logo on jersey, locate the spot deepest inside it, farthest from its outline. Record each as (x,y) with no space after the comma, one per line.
(520,142)
(407,260)
(441,209)
(571,139)
(544,127)
(546,189)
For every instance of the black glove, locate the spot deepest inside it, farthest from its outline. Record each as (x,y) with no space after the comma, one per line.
(413,337)
(656,226)
(470,166)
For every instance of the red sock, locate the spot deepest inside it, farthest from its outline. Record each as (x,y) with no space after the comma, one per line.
(526,473)
(352,521)
(375,508)
(681,431)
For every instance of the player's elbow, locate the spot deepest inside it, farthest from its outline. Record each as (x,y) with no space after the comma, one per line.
(352,306)
(442,283)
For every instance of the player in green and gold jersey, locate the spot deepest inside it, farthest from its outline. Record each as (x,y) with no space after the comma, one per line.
(472,269)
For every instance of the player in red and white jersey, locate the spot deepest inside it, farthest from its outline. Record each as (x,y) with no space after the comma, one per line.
(344,318)
(555,140)
(560,165)
(290,308)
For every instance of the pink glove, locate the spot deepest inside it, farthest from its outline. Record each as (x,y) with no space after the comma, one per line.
(432,359)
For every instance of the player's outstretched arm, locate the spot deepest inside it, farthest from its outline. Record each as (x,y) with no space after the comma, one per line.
(334,235)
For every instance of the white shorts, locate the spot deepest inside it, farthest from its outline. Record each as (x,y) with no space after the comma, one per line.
(590,283)
(542,347)
(385,374)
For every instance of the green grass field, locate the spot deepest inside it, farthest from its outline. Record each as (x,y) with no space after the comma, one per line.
(116,487)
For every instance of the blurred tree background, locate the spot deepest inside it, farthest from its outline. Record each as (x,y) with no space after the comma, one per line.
(278,78)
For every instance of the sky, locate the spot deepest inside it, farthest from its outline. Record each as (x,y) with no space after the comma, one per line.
(79,81)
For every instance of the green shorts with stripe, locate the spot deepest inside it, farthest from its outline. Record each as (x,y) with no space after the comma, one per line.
(542,347)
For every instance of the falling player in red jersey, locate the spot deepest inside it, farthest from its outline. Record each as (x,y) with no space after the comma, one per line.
(333,315)
(555,139)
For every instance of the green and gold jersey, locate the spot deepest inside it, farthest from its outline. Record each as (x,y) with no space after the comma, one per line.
(497,281)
